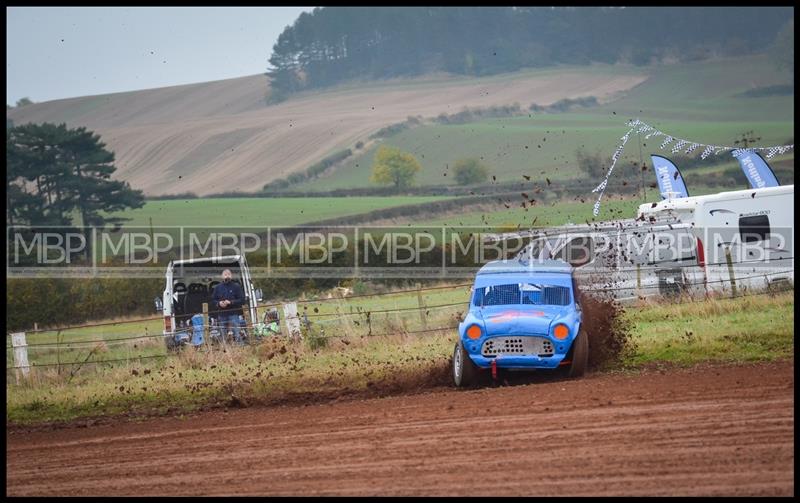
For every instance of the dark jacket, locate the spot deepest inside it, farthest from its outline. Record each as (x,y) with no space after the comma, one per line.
(228,291)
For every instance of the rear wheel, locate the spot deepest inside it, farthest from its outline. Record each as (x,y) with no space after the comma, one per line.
(172,344)
(580,355)
(465,372)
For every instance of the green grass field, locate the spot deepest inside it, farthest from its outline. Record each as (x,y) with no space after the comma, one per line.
(545,214)
(259,212)
(747,329)
(575,210)
(553,213)
(708,91)
(698,101)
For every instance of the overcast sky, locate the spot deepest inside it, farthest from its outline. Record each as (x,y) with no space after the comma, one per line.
(63,52)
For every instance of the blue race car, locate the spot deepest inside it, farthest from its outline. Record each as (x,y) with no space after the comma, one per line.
(522,316)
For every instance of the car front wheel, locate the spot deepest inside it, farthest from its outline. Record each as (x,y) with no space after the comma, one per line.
(465,372)
(580,355)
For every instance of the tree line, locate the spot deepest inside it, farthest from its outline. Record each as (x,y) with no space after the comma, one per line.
(335,44)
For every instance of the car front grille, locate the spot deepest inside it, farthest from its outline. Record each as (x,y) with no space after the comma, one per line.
(517,345)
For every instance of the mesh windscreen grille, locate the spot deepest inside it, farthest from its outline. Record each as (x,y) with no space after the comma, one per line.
(555,296)
(501,295)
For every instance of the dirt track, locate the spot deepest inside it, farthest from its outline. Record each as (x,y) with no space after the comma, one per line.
(710,430)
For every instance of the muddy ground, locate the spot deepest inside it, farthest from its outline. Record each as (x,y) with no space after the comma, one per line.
(707,430)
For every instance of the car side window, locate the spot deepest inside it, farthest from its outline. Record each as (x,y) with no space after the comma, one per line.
(477,297)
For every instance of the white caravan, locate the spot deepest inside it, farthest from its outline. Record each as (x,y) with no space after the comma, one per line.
(746,234)
(679,246)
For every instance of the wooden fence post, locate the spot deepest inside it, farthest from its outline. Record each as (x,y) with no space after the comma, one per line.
(20,355)
(638,280)
(206,328)
(292,320)
(422,318)
(730,269)
(248,326)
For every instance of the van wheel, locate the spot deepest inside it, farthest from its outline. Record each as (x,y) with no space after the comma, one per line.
(465,372)
(580,355)
(172,346)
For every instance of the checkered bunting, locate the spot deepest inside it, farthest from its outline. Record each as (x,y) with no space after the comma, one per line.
(679,146)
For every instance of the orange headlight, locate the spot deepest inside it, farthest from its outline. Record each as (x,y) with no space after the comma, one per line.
(561,332)
(474,332)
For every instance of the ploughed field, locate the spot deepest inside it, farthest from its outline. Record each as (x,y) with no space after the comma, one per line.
(219,136)
(711,429)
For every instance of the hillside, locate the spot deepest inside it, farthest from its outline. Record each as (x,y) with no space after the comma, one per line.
(706,101)
(220,136)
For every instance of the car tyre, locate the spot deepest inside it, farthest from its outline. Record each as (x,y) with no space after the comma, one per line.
(464,371)
(580,355)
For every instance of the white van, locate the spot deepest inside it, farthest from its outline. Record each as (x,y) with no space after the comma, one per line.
(189,285)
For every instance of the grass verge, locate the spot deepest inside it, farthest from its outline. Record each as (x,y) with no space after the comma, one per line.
(756,328)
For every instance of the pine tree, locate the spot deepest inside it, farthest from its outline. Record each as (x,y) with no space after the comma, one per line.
(53,172)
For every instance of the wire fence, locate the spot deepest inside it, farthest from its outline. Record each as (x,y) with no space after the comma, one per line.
(674,264)
(425,289)
(260,307)
(395,292)
(93,362)
(365,313)
(245,326)
(689,283)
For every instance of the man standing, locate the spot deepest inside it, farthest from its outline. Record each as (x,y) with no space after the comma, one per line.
(228,299)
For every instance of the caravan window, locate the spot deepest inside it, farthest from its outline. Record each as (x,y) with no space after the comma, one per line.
(754,228)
